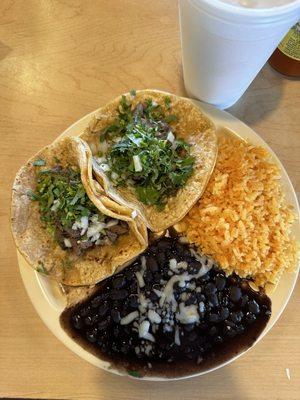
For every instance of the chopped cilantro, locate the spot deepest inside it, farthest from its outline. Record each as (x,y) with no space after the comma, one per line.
(39,163)
(133,92)
(41,269)
(62,197)
(143,157)
(67,264)
(136,374)
(168,102)
(33,196)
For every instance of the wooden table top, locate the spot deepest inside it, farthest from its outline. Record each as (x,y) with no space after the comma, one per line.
(59,61)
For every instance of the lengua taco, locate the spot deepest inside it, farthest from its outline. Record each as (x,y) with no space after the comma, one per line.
(154,152)
(64,227)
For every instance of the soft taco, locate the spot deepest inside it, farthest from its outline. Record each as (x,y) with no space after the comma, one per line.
(64,227)
(154,152)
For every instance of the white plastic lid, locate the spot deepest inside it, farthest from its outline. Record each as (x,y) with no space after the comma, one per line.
(241,14)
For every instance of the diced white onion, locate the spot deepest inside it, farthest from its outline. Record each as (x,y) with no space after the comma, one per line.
(95,228)
(114,176)
(55,205)
(137,164)
(84,224)
(94,218)
(170,137)
(105,167)
(67,243)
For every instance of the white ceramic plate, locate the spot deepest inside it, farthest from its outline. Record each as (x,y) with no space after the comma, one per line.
(49,302)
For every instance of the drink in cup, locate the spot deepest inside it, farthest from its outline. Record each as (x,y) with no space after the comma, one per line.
(225,43)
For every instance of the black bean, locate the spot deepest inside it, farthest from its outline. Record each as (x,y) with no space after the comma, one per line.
(85,311)
(253,307)
(129,274)
(96,301)
(158,277)
(193,267)
(77,321)
(103,324)
(152,264)
(224,301)
(235,293)
(164,244)
(161,259)
(88,320)
(116,331)
(210,288)
(192,336)
(250,318)
(148,277)
(213,300)
(124,349)
(115,314)
(220,282)
(118,294)
(92,335)
(119,282)
(218,339)
(191,300)
(224,313)
(229,331)
(240,329)
(133,301)
(214,317)
(230,323)
(245,300)
(236,316)
(103,309)
(204,278)
(189,327)
(213,331)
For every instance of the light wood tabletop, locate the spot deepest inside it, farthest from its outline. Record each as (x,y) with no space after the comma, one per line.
(60,60)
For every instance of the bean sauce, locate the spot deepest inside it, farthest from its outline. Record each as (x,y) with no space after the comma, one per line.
(171,313)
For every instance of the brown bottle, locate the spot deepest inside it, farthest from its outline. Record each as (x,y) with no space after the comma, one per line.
(286,58)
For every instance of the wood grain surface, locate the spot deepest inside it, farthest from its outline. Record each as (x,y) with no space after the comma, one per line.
(58,61)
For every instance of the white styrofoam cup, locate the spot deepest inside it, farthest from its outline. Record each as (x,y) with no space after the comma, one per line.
(225,46)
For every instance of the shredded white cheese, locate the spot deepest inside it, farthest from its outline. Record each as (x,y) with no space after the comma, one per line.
(129,318)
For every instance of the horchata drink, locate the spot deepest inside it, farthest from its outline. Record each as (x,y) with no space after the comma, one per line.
(225,43)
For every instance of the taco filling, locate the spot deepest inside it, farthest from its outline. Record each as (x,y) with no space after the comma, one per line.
(140,150)
(68,213)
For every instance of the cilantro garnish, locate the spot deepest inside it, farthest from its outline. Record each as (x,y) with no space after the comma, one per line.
(41,269)
(147,154)
(62,197)
(136,374)
(32,195)
(133,92)
(168,102)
